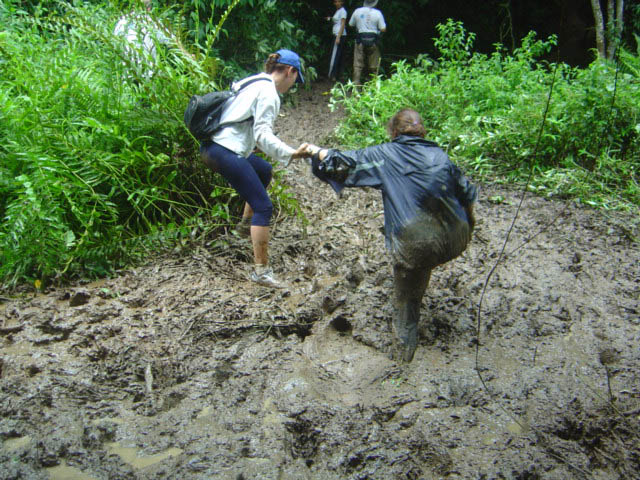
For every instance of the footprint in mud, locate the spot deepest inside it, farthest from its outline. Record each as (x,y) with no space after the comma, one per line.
(334,364)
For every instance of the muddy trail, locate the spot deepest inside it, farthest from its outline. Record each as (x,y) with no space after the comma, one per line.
(182,369)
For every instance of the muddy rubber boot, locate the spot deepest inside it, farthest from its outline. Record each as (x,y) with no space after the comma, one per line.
(243,227)
(405,331)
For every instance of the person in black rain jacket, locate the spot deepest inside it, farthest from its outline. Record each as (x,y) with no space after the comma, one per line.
(428,210)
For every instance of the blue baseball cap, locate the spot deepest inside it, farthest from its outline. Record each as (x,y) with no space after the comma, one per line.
(287,57)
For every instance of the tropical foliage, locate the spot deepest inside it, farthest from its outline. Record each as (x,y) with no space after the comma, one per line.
(97,166)
(257,27)
(488,110)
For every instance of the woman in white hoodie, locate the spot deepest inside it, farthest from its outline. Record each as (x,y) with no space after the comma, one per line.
(251,115)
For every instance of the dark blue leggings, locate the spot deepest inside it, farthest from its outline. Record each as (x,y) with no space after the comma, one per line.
(248,176)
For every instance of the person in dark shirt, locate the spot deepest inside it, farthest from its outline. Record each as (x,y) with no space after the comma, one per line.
(428,210)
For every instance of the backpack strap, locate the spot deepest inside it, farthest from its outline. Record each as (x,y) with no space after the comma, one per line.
(249,82)
(245,84)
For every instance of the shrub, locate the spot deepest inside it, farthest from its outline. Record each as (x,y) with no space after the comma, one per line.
(487,111)
(243,46)
(97,166)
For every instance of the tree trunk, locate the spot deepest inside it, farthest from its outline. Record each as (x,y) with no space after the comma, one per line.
(609,32)
(599,24)
(614,27)
(619,24)
(610,37)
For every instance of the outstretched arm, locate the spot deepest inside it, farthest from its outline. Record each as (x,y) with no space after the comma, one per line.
(353,168)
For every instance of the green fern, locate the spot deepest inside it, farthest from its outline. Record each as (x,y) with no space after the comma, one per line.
(95,157)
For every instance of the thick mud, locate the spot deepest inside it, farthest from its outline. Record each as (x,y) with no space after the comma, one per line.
(182,369)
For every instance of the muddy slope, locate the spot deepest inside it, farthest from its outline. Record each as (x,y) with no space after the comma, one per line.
(181,369)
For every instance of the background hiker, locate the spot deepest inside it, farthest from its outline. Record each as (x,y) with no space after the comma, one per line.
(369,24)
(143,35)
(339,31)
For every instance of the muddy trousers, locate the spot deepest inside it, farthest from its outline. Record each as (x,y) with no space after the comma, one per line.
(428,241)
(409,288)
(368,56)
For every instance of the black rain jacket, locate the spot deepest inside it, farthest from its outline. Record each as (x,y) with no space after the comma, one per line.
(414,175)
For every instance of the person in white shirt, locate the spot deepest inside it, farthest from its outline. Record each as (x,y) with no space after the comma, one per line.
(339,31)
(251,115)
(369,24)
(141,34)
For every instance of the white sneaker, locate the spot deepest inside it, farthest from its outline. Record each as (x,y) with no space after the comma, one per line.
(263,275)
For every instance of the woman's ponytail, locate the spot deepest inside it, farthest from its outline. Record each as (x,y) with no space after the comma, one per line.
(271,63)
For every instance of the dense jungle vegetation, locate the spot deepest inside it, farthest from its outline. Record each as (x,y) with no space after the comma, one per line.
(97,169)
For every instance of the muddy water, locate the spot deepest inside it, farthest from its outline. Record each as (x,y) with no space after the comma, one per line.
(180,368)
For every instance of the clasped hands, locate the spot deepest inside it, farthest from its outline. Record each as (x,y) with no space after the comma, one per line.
(307,150)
